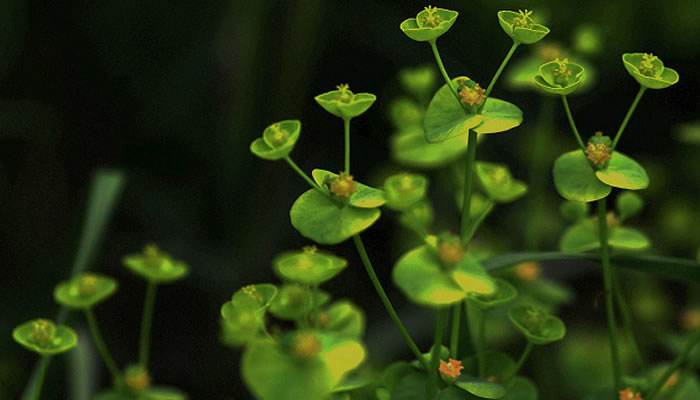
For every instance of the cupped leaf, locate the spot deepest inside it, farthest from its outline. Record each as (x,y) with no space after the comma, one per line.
(538,326)
(446,117)
(364,196)
(559,77)
(410,148)
(649,71)
(274,372)
(404,190)
(498,116)
(156,266)
(277,140)
(420,277)
(85,290)
(243,317)
(498,182)
(325,221)
(628,205)
(344,103)
(504,294)
(309,266)
(575,179)
(580,237)
(520,26)
(624,173)
(293,302)
(429,24)
(44,337)
(480,388)
(343,319)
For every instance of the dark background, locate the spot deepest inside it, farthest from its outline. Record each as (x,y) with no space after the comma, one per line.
(173,92)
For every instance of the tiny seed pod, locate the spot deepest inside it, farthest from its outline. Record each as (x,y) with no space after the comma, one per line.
(44,337)
(429,24)
(85,290)
(521,27)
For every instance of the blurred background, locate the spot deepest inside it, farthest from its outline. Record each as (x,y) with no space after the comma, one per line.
(173,92)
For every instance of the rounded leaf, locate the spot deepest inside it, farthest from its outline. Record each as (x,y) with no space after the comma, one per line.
(419,80)
(424,29)
(480,388)
(498,182)
(343,319)
(418,218)
(520,388)
(404,190)
(498,366)
(504,294)
(410,148)
(293,302)
(520,27)
(309,266)
(44,337)
(575,179)
(277,140)
(538,326)
(84,291)
(325,221)
(623,238)
(499,116)
(649,71)
(573,211)
(624,173)
(156,266)
(420,277)
(405,113)
(629,204)
(580,237)
(446,118)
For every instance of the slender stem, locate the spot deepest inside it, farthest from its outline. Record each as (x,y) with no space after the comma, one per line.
(440,325)
(476,321)
(38,382)
(609,293)
(443,71)
(101,346)
(301,173)
(346,129)
(468,184)
(627,323)
(385,300)
(521,361)
(570,117)
(677,363)
(146,323)
(501,68)
(454,334)
(630,111)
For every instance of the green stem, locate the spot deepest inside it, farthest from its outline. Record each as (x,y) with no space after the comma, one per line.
(468,185)
(301,173)
(101,346)
(501,68)
(346,129)
(146,323)
(385,300)
(609,293)
(443,71)
(38,382)
(454,335)
(677,363)
(521,361)
(570,117)
(314,306)
(627,323)
(630,111)
(441,324)
(475,316)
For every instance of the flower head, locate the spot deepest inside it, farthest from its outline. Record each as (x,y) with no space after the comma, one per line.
(648,65)
(450,249)
(343,186)
(306,345)
(562,73)
(346,94)
(137,378)
(87,284)
(431,17)
(523,19)
(43,332)
(279,136)
(451,369)
(599,150)
(471,95)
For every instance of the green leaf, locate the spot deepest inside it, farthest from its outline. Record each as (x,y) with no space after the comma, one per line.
(155,265)
(624,173)
(504,294)
(472,278)
(446,118)
(418,30)
(497,365)
(498,182)
(44,337)
(410,387)
(629,204)
(324,221)
(418,80)
(275,373)
(405,113)
(575,179)
(162,393)
(551,81)
(419,275)
(480,388)
(418,218)
(343,319)
(520,388)
(309,266)
(277,140)
(498,116)
(410,148)
(573,211)
(538,326)
(293,302)
(628,239)
(353,381)
(525,33)
(344,103)
(84,291)
(364,197)
(404,190)
(243,318)
(580,237)
(661,78)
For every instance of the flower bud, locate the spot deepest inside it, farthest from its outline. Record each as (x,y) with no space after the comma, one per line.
(345,95)
(648,65)
(599,150)
(450,250)
(471,94)
(279,136)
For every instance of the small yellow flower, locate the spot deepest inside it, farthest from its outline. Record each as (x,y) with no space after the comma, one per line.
(87,284)
(279,135)
(523,20)
(346,94)
(598,153)
(450,250)
(647,66)
(343,186)
(451,369)
(472,96)
(43,332)
(562,73)
(306,345)
(528,271)
(432,18)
